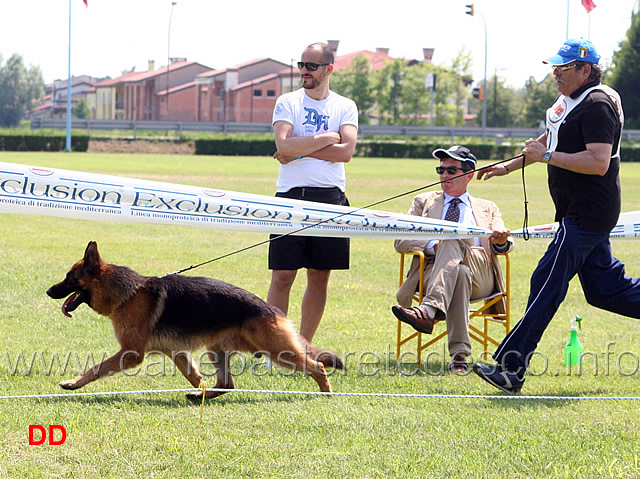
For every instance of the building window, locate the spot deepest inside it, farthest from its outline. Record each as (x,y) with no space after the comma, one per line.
(271,93)
(257,93)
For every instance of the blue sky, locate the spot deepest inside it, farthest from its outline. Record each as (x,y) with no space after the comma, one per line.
(111,36)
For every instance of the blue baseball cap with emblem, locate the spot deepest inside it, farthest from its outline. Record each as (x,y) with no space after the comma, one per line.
(575,50)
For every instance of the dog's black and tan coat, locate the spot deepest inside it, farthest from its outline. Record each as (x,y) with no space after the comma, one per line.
(177,314)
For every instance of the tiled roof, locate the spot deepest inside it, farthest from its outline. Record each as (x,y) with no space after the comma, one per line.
(377,59)
(255,81)
(141,76)
(175,89)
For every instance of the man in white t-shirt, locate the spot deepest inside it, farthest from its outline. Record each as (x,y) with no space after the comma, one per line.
(315,133)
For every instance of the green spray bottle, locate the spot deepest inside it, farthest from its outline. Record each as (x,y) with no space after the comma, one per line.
(573,349)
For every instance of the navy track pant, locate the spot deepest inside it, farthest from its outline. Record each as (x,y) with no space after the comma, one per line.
(605,285)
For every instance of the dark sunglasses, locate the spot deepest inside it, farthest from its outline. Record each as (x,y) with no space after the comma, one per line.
(310,66)
(452,170)
(564,68)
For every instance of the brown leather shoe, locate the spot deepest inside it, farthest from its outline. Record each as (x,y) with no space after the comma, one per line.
(417,318)
(459,364)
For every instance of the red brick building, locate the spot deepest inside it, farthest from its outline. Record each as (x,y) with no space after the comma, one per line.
(145,94)
(243,93)
(190,91)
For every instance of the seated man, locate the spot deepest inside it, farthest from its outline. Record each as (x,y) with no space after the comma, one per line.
(456,271)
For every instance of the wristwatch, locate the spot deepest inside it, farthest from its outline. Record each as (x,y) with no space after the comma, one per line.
(547,156)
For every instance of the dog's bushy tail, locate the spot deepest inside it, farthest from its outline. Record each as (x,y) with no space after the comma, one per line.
(324,356)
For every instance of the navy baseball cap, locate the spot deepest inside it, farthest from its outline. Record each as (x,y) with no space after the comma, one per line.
(457,152)
(575,50)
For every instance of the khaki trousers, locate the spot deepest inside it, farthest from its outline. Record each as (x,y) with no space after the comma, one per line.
(461,272)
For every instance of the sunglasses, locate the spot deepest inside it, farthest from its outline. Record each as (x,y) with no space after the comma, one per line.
(564,68)
(310,66)
(452,170)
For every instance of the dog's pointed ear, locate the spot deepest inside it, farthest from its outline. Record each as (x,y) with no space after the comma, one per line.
(92,257)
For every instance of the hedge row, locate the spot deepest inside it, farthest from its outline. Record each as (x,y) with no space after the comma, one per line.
(374,149)
(377,149)
(371,149)
(235,147)
(266,147)
(20,142)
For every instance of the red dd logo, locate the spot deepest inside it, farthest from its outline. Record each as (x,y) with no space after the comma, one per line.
(38,435)
(214,193)
(41,171)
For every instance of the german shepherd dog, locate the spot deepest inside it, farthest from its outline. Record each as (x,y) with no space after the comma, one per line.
(178,314)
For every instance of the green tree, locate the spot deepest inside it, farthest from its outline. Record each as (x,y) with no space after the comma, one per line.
(355,82)
(388,86)
(457,83)
(403,98)
(625,75)
(539,96)
(81,110)
(503,105)
(414,97)
(19,86)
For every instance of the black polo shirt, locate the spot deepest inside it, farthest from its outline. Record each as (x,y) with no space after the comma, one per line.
(593,201)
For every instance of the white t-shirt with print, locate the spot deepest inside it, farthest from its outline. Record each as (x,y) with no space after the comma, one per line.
(310,117)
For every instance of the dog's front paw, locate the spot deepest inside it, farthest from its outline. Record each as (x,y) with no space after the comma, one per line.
(70,384)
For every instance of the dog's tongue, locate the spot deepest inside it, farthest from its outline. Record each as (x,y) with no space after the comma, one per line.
(67,302)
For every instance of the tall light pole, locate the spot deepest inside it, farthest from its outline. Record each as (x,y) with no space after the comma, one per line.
(68,138)
(471,11)
(173,4)
(291,76)
(395,76)
(495,95)
(430,80)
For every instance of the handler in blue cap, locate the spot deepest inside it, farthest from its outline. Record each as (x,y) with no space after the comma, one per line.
(581,148)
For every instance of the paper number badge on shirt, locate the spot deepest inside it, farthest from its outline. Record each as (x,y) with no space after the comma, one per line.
(558,111)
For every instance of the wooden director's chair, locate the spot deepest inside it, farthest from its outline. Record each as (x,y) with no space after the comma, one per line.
(477,332)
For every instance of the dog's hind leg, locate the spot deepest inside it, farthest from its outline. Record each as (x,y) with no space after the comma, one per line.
(187,366)
(282,343)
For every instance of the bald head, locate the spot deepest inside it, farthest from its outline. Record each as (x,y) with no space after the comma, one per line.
(326,52)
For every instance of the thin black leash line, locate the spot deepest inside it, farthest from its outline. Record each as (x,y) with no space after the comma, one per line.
(525,220)
(350,212)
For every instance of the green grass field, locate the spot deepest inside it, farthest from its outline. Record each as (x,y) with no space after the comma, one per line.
(266,435)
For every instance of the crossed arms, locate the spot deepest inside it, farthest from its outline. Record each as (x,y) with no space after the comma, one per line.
(335,147)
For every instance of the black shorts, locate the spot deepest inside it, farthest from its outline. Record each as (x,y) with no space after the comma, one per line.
(295,252)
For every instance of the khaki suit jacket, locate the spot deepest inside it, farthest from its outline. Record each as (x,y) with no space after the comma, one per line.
(430,205)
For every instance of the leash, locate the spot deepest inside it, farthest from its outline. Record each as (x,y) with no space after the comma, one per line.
(525,220)
(415,190)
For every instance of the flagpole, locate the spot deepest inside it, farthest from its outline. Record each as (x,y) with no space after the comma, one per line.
(567,35)
(68,145)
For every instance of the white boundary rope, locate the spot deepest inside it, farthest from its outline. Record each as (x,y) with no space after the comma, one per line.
(319,393)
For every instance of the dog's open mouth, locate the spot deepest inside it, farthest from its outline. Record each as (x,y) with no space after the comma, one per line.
(73,301)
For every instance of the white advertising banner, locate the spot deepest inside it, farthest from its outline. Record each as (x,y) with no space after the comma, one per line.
(628,228)
(71,194)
